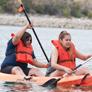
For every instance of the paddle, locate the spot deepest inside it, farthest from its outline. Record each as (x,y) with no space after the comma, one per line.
(52,83)
(22,6)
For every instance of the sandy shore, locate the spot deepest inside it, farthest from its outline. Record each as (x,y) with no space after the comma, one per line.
(46,21)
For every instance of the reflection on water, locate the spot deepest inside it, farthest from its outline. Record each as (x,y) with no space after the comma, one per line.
(21,87)
(15,87)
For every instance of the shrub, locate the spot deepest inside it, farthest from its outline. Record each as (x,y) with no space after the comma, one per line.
(90,14)
(76,10)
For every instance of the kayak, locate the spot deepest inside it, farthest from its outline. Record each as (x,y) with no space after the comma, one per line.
(66,81)
(76,80)
(10,77)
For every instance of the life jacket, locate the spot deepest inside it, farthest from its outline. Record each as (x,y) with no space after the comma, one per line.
(64,57)
(23,53)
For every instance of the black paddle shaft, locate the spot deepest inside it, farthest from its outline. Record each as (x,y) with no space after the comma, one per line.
(82,64)
(35,34)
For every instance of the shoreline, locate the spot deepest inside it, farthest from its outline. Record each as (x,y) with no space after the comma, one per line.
(46,21)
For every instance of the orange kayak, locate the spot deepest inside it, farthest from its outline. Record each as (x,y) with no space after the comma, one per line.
(76,80)
(66,81)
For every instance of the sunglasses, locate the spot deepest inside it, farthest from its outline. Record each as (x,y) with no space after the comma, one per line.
(29,39)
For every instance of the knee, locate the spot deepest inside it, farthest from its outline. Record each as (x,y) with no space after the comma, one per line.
(36,72)
(35,69)
(17,68)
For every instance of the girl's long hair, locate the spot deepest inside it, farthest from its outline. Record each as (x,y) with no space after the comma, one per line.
(61,37)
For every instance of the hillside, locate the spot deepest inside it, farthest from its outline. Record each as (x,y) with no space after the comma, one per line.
(60,8)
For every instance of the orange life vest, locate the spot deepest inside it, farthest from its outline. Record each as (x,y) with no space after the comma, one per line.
(24,54)
(64,57)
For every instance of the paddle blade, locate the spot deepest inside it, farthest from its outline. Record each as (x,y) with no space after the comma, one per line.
(50,84)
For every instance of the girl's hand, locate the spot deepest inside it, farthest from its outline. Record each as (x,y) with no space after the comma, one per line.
(29,26)
(45,65)
(68,70)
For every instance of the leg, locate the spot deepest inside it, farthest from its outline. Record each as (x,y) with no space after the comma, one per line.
(36,72)
(57,73)
(83,70)
(18,71)
(13,70)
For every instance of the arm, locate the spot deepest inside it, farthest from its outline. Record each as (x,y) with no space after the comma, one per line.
(54,64)
(82,56)
(19,34)
(38,64)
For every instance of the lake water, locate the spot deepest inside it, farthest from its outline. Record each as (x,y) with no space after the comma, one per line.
(81,38)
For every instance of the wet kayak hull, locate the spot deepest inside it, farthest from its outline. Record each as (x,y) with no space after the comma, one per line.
(67,81)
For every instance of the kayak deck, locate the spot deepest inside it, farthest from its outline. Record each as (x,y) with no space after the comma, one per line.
(75,80)
(66,81)
(10,77)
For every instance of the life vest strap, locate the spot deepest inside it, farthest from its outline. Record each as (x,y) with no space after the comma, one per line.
(23,52)
(66,60)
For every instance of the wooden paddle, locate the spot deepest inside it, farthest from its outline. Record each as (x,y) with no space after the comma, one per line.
(52,83)
(22,9)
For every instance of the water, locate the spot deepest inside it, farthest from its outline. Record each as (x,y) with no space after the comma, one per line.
(81,38)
